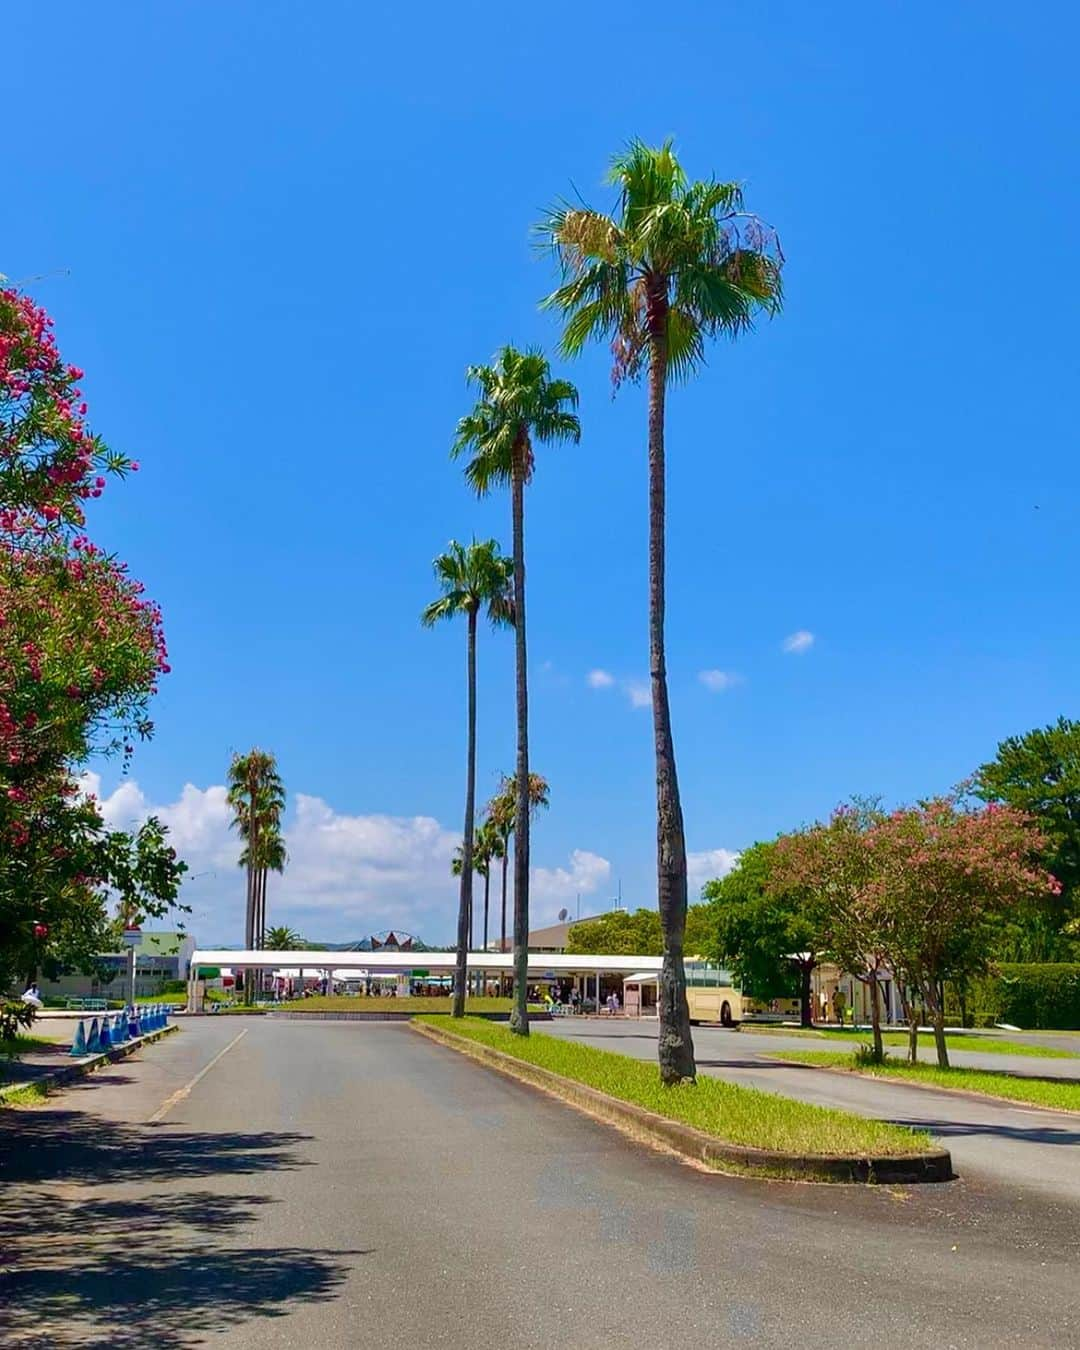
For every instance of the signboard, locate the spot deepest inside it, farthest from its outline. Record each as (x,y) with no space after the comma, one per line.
(132,937)
(421,974)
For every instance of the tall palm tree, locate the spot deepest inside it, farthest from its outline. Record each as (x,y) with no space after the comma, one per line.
(269,855)
(500,814)
(676,263)
(519,402)
(472,578)
(257,797)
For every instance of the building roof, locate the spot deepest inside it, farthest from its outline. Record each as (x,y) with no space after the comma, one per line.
(156,944)
(552,938)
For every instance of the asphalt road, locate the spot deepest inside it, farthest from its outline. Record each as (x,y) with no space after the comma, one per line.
(1013,1146)
(250,1182)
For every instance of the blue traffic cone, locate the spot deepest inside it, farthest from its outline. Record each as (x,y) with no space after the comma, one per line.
(133,1022)
(78,1045)
(151,1021)
(166,1008)
(121,1028)
(104,1039)
(93,1041)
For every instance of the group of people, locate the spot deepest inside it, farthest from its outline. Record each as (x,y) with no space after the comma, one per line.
(839,1006)
(561,1000)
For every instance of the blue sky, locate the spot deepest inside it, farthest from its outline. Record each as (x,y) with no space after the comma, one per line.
(275,235)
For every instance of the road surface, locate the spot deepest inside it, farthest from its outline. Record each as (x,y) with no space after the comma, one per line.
(259,1183)
(1014,1146)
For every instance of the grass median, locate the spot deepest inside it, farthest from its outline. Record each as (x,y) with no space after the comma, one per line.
(735,1115)
(977,1045)
(1056,1095)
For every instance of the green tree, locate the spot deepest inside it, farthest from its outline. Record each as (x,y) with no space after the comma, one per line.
(519,404)
(1039,774)
(619,933)
(766,936)
(257,797)
(471,578)
(678,262)
(56,892)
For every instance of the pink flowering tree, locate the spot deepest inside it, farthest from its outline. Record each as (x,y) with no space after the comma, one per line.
(81,648)
(827,870)
(942,877)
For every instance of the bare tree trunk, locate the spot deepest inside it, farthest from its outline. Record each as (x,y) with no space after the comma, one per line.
(806,1009)
(519,1014)
(875,1018)
(465,904)
(935,999)
(676,1047)
(911,1016)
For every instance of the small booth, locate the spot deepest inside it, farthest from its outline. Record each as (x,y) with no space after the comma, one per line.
(639,994)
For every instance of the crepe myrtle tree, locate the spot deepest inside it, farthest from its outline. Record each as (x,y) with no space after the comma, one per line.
(825,871)
(941,876)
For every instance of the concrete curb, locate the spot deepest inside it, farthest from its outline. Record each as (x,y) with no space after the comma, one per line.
(969,1093)
(79,1068)
(695,1144)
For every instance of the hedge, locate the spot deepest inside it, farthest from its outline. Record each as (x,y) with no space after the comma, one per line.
(1030,995)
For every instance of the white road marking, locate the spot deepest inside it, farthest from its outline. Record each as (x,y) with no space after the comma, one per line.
(180,1093)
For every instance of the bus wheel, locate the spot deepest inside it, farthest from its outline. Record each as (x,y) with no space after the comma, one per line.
(726,1018)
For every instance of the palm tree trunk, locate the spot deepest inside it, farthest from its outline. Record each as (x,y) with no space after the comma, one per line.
(249,932)
(487,899)
(519,1013)
(505,865)
(465,903)
(676,1048)
(253,886)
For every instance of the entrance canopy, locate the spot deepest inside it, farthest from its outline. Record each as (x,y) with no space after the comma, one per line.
(395,962)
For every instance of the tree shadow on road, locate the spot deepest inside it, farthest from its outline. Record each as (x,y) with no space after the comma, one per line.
(90,1256)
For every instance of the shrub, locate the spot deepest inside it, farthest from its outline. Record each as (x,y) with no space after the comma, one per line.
(1031,995)
(15,1015)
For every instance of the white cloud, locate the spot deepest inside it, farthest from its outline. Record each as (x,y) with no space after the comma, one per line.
(639,692)
(586,874)
(719,680)
(797,643)
(704,866)
(599,679)
(347,875)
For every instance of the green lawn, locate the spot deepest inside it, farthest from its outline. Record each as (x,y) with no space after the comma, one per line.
(21,1045)
(983,1045)
(992,1083)
(29,1095)
(737,1115)
(360,1004)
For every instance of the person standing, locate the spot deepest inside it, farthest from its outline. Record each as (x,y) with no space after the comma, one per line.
(839,1005)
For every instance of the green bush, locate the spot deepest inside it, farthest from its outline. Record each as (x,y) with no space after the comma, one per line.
(15,1016)
(1036,996)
